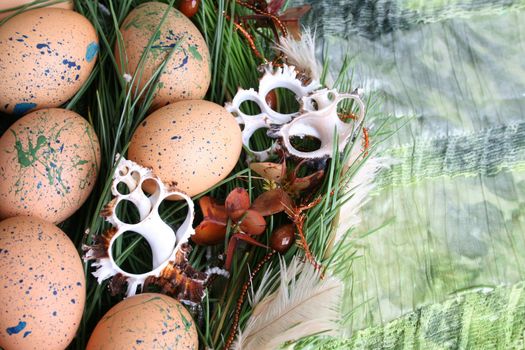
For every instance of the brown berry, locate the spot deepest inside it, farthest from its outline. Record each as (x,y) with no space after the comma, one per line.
(189,7)
(282,238)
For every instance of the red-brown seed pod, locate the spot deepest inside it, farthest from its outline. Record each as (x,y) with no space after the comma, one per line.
(189,7)
(282,238)
(252,223)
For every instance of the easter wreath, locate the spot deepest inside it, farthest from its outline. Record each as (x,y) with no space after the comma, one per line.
(259,253)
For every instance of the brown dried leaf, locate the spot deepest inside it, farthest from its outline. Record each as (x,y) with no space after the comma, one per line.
(270,171)
(212,229)
(237,202)
(292,17)
(212,211)
(209,233)
(252,223)
(232,245)
(300,184)
(272,202)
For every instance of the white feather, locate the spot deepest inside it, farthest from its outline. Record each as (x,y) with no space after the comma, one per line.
(301,54)
(303,305)
(359,189)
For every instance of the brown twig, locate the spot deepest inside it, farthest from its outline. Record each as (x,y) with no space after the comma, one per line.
(277,22)
(240,302)
(298,218)
(366,141)
(247,36)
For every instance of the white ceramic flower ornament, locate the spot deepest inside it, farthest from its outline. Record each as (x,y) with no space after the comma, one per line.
(169,248)
(273,78)
(320,119)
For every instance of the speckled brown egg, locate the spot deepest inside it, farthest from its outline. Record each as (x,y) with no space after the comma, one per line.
(42,286)
(49,162)
(146,321)
(10,4)
(189,144)
(46,55)
(187,73)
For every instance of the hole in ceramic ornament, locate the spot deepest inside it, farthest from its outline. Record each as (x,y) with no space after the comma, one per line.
(305,143)
(283,101)
(132,253)
(136,176)
(314,105)
(122,188)
(173,212)
(150,187)
(250,108)
(127,212)
(124,171)
(260,140)
(348,110)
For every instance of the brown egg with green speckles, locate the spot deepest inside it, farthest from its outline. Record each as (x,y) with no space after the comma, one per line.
(46,56)
(49,162)
(147,321)
(9,4)
(42,285)
(191,145)
(187,73)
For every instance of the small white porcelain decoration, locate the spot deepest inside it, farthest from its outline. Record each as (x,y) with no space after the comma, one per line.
(169,248)
(320,120)
(273,78)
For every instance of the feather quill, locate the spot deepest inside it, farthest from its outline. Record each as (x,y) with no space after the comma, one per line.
(303,305)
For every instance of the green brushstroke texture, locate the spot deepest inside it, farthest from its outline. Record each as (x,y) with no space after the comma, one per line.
(454,199)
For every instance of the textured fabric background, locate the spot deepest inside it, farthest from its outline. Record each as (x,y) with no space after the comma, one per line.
(454,203)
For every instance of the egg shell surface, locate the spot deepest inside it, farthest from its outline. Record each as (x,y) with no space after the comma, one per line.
(49,162)
(9,4)
(187,73)
(42,285)
(46,55)
(191,145)
(146,321)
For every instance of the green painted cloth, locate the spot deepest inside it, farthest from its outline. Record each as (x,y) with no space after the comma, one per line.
(451,210)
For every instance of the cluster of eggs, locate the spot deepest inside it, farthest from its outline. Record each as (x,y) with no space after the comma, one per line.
(49,161)
(188,142)
(50,158)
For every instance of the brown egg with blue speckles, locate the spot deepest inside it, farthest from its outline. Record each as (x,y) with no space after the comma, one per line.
(187,73)
(42,285)
(10,4)
(46,55)
(191,145)
(49,161)
(145,322)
